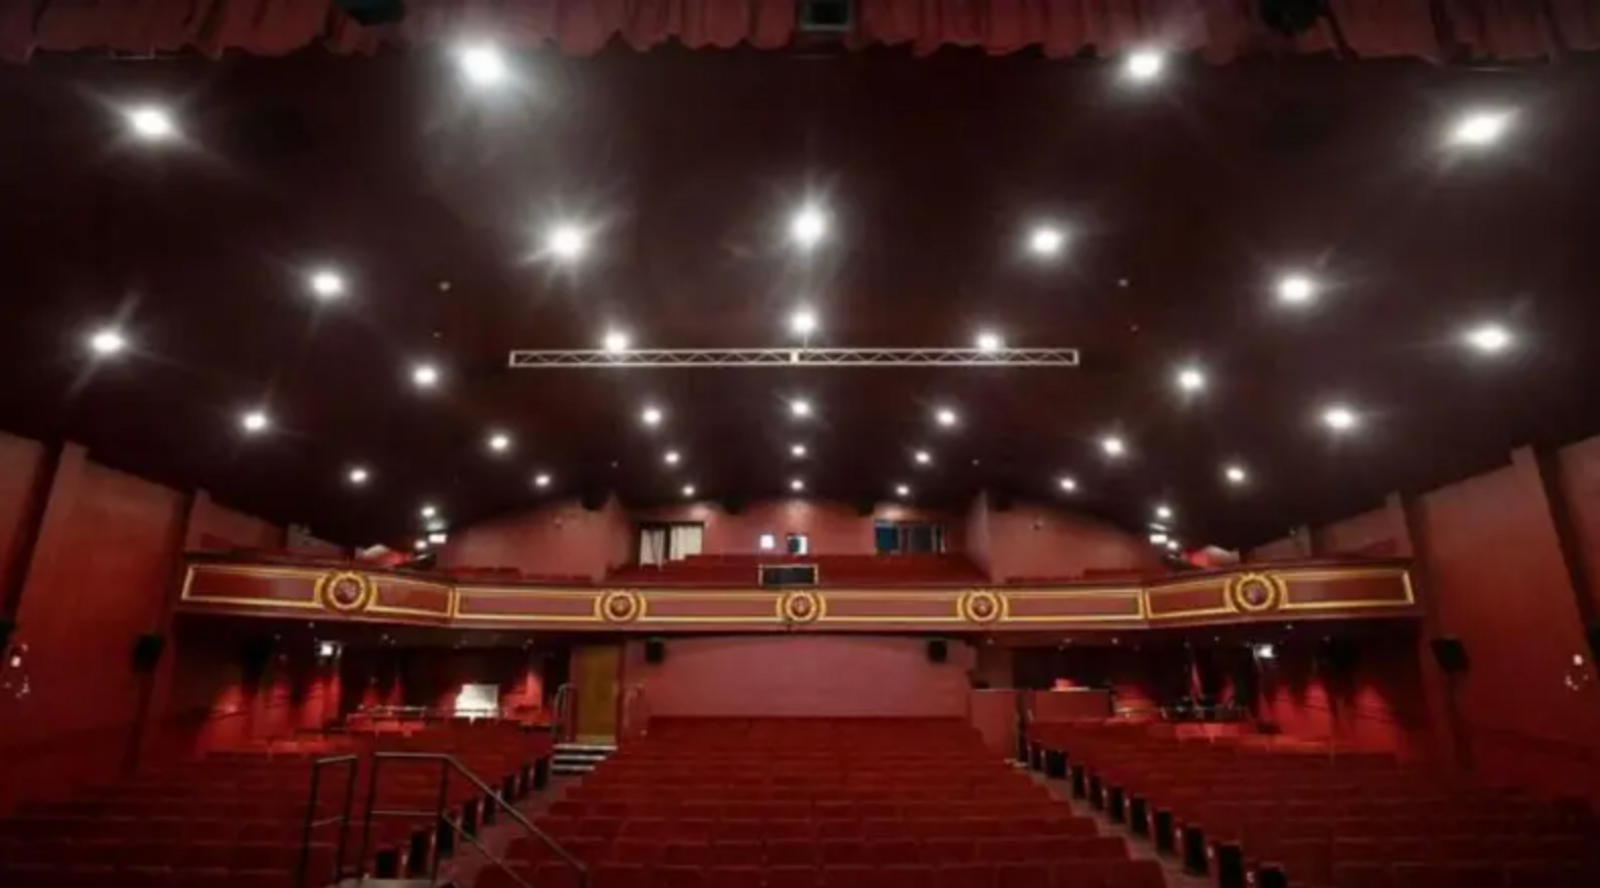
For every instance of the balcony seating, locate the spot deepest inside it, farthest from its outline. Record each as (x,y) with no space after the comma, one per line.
(832,570)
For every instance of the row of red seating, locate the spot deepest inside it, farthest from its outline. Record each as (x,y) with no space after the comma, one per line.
(827,852)
(1065,874)
(822,808)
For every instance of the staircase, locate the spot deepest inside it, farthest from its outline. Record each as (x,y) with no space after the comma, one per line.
(579,758)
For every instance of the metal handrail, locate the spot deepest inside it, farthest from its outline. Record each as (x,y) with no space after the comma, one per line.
(447,763)
(563,706)
(632,699)
(342,818)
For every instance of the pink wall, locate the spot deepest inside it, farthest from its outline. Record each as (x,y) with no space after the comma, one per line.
(976,531)
(820,675)
(1374,534)
(1580,479)
(1030,540)
(219,527)
(834,528)
(1380,705)
(560,538)
(1279,549)
(21,461)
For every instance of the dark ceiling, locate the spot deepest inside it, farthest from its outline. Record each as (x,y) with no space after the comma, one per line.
(1184,200)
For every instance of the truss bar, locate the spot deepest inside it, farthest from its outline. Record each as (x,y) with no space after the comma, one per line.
(795,357)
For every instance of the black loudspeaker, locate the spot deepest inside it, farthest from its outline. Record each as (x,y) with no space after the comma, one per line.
(373,12)
(733,505)
(655,651)
(147,650)
(1291,17)
(255,656)
(826,16)
(999,502)
(1450,653)
(593,500)
(1341,656)
(938,650)
(1594,641)
(7,628)
(865,507)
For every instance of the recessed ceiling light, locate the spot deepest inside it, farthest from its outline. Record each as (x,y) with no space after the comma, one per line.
(425,376)
(1144,65)
(800,408)
(797,484)
(803,322)
(255,421)
(1296,289)
(1113,445)
(1340,418)
(482,64)
(327,284)
(922,457)
(1067,483)
(1173,545)
(1489,338)
(989,341)
(358,475)
(499,442)
(107,341)
(1480,128)
(541,480)
(946,417)
(615,341)
(1191,379)
(1160,539)
(421,545)
(672,457)
(151,123)
(428,511)
(651,416)
(808,227)
(688,490)
(1235,473)
(1164,512)
(902,490)
(798,451)
(567,241)
(1046,240)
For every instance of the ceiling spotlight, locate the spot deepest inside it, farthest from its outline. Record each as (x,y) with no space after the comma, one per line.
(1173,545)
(800,408)
(327,285)
(688,490)
(499,442)
(255,421)
(922,457)
(1144,65)
(1046,240)
(482,65)
(651,416)
(359,475)
(902,490)
(151,123)
(425,376)
(1159,539)
(808,227)
(1235,474)
(428,511)
(798,451)
(803,322)
(671,458)
(421,545)
(107,342)
(946,417)
(1113,445)
(1489,338)
(615,342)
(1480,128)
(989,341)
(797,485)
(1191,379)
(1340,418)
(1164,512)
(541,480)
(1296,289)
(1068,483)
(567,242)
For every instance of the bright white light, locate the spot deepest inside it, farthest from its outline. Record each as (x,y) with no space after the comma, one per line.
(1159,539)
(946,417)
(152,123)
(438,538)
(1340,418)
(651,416)
(798,451)
(1164,512)
(1266,652)
(1191,379)
(1144,65)
(425,376)
(808,227)
(326,649)
(922,457)
(615,341)
(429,511)
(499,442)
(902,490)
(797,485)
(107,342)
(1113,446)
(1046,240)
(255,421)
(1480,128)
(672,458)
(1068,483)
(421,545)
(482,65)
(803,322)
(1489,338)
(567,242)
(688,490)
(1235,474)
(541,480)
(327,285)
(800,408)
(1173,545)
(359,475)
(990,341)
(1296,289)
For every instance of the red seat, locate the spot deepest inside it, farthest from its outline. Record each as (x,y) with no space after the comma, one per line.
(791,852)
(849,876)
(1362,875)
(891,852)
(696,854)
(906,876)
(843,852)
(740,853)
(965,875)
(791,877)
(643,852)
(556,874)
(1024,874)
(678,877)
(617,875)
(734,876)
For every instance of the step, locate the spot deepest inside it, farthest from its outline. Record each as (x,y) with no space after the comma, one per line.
(579,758)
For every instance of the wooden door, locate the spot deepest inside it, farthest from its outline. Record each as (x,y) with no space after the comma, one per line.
(597,672)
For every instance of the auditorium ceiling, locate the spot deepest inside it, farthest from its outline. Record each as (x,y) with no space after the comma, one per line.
(1446,298)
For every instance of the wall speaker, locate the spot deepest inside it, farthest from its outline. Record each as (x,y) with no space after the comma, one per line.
(255,656)
(593,500)
(938,650)
(733,505)
(865,507)
(826,16)
(999,501)
(373,12)
(655,651)
(1450,653)
(7,628)
(147,650)
(1291,17)
(1340,655)
(1594,641)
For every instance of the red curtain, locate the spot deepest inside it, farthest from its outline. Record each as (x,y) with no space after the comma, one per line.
(1219,30)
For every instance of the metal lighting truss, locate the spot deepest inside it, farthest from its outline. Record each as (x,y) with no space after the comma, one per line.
(794,357)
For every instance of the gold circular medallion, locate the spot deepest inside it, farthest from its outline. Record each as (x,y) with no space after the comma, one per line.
(800,607)
(1255,593)
(345,591)
(980,606)
(621,606)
